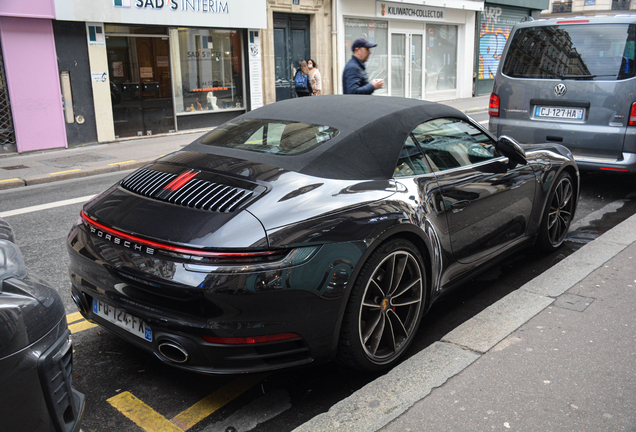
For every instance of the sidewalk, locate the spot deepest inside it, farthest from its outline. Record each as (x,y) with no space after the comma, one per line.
(557,354)
(17,170)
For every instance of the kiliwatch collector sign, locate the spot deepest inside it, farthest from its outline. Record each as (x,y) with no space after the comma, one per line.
(201,13)
(409,11)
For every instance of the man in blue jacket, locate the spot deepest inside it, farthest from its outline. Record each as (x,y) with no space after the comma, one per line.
(354,76)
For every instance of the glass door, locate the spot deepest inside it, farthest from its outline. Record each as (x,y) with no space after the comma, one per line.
(407,66)
(141,92)
(398,65)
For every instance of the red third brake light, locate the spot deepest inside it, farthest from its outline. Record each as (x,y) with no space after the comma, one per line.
(493,105)
(632,115)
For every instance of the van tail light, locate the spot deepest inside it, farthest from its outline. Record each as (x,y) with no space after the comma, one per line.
(632,115)
(493,105)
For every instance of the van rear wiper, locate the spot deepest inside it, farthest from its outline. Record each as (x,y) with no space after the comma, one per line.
(563,76)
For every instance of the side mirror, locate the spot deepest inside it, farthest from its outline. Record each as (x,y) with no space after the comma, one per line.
(512,150)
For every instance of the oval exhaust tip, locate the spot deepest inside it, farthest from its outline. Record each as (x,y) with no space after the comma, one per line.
(173,352)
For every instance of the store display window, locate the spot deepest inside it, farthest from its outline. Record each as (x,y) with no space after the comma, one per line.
(208,70)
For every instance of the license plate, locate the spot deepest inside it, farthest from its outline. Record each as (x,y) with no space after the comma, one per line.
(122,319)
(560,112)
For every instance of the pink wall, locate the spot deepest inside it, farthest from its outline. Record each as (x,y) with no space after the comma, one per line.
(28,8)
(30,62)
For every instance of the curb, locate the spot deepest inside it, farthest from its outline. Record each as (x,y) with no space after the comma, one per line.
(386,398)
(50,178)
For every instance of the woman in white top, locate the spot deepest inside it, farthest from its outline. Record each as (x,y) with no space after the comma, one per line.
(314,75)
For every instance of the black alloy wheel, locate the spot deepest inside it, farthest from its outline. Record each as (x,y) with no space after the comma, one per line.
(558,214)
(385,307)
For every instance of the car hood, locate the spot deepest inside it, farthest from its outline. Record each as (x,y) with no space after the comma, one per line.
(211,201)
(29,309)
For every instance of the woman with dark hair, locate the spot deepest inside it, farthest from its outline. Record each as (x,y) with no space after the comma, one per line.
(302,82)
(314,75)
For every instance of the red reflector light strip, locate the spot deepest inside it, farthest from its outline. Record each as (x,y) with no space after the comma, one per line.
(573,22)
(176,249)
(613,169)
(250,339)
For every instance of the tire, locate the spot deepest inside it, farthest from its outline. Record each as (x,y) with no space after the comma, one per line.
(382,314)
(558,214)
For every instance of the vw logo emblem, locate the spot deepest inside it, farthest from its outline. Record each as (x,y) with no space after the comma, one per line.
(560,89)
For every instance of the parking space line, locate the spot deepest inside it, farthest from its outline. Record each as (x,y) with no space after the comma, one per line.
(81,326)
(216,400)
(122,163)
(141,414)
(71,318)
(64,172)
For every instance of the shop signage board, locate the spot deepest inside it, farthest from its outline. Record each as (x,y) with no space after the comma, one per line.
(201,13)
(410,11)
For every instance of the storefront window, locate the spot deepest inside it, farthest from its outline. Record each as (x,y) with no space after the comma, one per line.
(375,32)
(208,70)
(441,57)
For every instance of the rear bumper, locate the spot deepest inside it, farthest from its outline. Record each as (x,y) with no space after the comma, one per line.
(627,163)
(181,306)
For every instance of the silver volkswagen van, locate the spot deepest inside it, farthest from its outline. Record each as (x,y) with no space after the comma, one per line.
(571,81)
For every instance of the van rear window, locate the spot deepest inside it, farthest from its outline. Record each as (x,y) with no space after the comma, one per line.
(572,51)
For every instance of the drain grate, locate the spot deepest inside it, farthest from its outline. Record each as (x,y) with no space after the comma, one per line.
(14,167)
(68,161)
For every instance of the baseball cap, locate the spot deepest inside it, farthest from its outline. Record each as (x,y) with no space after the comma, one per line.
(359,43)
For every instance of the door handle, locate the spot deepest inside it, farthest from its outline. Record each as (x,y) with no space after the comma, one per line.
(458,206)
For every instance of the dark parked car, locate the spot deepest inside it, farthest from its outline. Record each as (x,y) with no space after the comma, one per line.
(311,229)
(35,350)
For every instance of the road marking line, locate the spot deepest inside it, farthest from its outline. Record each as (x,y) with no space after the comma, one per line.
(46,206)
(64,172)
(81,326)
(141,414)
(71,318)
(216,400)
(8,180)
(122,163)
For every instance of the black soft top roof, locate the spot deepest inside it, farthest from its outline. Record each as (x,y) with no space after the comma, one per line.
(372,132)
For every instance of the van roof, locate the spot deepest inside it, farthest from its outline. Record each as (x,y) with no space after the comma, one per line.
(580,19)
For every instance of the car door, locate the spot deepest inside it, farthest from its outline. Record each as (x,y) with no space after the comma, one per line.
(487,205)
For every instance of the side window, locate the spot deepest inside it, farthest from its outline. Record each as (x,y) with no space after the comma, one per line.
(451,143)
(411,161)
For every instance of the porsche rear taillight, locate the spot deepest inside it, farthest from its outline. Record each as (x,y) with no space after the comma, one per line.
(493,105)
(632,115)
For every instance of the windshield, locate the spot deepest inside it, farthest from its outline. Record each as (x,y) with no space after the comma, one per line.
(269,136)
(573,51)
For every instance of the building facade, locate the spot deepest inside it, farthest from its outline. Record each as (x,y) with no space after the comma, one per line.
(425,49)
(494,24)
(558,8)
(108,69)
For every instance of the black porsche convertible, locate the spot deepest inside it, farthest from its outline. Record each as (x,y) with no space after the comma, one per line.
(311,229)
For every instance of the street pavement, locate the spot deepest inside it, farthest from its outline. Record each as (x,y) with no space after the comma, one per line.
(556,354)
(18,170)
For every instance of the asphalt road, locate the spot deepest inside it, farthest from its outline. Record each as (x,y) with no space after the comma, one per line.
(125,386)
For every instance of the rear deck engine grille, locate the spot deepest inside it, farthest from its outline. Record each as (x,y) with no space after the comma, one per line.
(194,193)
